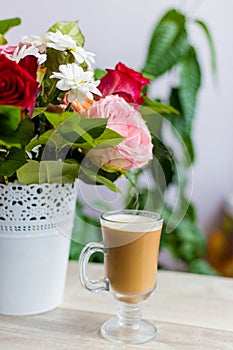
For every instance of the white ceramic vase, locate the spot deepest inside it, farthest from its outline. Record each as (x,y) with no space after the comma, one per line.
(35,232)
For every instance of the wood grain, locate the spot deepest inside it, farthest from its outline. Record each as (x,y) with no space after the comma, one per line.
(191,313)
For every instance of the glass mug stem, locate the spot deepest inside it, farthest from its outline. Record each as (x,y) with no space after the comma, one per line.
(129,314)
(92,286)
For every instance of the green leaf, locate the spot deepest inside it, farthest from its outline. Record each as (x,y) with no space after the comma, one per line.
(9,142)
(71,29)
(160,107)
(14,160)
(190,82)
(168,44)
(97,134)
(187,241)
(3,41)
(102,136)
(38,110)
(47,172)
(56,119)
(94,126)
(108,138)
(187,139)
(206,30)
(164,174)
(131,177)
(153,120)
(21,137)
(64,125)
(9,119)
(68,125)
(191,211)
(7,24)
(25,131)
(42,140)
(182,127)
(95,178)
(85,133)
(99,73)
(80,132)
(139,198)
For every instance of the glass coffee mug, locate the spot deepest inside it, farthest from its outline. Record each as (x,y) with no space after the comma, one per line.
(130,246)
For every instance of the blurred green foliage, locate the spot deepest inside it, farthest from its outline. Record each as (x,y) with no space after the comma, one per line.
(170,49)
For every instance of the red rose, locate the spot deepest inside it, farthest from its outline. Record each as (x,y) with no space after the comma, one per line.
(17,86)
(125,82)
(29,64)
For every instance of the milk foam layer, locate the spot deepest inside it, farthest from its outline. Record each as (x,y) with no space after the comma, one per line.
(132,223)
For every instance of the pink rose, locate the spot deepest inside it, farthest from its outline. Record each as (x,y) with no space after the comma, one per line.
(135,150)
(125,82)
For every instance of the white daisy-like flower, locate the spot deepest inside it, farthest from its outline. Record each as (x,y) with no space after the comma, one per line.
(60,41)
(36,41)
(82,55)
(21,52)
(79,83)
(63,42)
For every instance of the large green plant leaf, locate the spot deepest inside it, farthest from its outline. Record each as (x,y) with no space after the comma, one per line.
(48,172)
(163,175)
(86,229)
(181,124)
(168,44)
(159,107)
(190,82)
(186,241)
(71,29)
(206,30)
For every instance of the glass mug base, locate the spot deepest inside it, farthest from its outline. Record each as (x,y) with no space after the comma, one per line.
(140,333)
(128,327)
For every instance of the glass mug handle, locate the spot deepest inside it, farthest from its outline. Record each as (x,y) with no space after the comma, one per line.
(92,286)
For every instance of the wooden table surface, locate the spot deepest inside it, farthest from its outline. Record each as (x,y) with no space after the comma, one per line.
(191,312)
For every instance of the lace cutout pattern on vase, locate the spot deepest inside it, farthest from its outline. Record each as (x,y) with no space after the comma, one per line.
(36,207)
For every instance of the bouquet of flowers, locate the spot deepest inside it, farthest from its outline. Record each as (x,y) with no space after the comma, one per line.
(61,119)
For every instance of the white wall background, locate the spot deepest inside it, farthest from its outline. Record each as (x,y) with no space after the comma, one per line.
(119,31)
